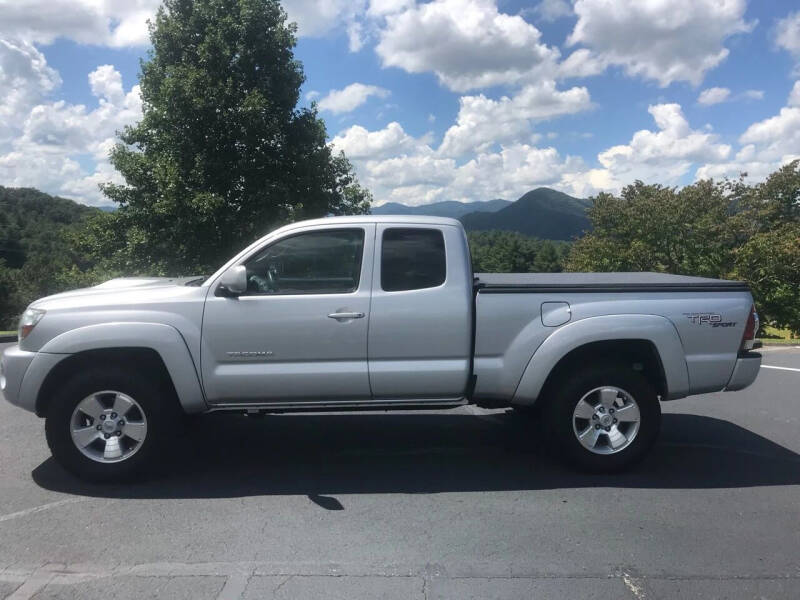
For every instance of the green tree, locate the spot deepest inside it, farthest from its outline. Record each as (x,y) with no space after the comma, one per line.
(657,228)
(511,252)
(770,263)
(222,152)
(768,222)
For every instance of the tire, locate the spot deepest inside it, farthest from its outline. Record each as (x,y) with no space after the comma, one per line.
(114,454)
(590,393)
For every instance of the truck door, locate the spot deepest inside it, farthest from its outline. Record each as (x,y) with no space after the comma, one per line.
(421,313)
(300,330)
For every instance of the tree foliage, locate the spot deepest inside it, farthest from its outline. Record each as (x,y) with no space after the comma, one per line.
(509,252)
(656,228)
(222,153)
(721,229)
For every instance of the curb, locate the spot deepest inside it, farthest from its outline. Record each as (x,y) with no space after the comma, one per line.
(8,338)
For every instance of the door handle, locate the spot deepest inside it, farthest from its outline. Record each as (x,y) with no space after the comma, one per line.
(341,316)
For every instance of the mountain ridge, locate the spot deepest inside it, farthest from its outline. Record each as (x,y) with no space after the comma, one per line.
(447,208)
(542,212)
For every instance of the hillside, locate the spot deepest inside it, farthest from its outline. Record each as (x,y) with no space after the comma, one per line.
(31,222)
(541,213)
(449,208)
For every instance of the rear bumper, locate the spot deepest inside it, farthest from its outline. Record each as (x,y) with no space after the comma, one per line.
(745,371)
(13,365)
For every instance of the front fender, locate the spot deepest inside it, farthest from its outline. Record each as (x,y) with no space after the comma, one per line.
(163,339)
(653,328)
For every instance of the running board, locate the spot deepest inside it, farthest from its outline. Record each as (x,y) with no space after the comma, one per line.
(337,405)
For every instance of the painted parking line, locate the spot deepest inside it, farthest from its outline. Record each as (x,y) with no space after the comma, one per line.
(780,368)
(36,509)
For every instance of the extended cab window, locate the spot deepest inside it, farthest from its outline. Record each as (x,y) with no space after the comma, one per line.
(317,262)
(412,259)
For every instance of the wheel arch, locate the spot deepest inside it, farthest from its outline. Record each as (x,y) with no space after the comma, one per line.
(649,343)
(153,346)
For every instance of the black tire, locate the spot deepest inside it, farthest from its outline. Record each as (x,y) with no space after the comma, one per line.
(160,409)
(565,397)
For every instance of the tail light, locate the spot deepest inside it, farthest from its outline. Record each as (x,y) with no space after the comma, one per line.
(750,330)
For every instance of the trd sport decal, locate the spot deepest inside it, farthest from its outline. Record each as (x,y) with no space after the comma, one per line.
(710,319)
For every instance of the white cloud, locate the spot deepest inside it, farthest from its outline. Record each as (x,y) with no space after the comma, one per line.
(483,122)
(581,63)
(315,18)
(350,97)
(404,171)
(794,95)
(25,78)
(676,40)
(381,8)
(713,95)
(551,10)
(663,156)
(101,22)
(765,145)
(359,143)
(106,83)
(787,34)
(512,171)
(468,44)
(753,94)
(54,138)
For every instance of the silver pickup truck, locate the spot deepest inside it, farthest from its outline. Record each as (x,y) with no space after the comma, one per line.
(374,313)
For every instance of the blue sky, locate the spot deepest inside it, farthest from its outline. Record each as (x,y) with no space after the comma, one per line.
(446,99)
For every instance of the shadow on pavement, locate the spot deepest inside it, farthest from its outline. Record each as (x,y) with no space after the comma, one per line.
(225,456)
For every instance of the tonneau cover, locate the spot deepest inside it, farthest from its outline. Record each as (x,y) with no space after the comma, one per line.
(601,282)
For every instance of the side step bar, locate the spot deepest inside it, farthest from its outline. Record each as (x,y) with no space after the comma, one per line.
(339,405)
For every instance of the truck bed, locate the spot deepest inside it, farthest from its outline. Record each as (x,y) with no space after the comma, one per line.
(500,283)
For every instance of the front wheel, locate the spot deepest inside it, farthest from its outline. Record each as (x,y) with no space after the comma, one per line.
(106,424)
(605,418)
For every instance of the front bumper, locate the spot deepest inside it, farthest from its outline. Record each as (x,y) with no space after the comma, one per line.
(745,371)
(13,365)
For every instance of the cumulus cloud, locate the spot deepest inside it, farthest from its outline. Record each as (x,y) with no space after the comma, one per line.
(483,122)
(753,94)
(552,10)
(104,22)
(381,8)
(672,41)
(56,138)
(398,167)
(787,34)
(468,44)
(350,97)
(359,143)
(765,145)
(25,78)
(713,95)
(316,18)
(663,156)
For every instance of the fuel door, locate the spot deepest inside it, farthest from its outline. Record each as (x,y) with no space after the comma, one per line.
(555,313)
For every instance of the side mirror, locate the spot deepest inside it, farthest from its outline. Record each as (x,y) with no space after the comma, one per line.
(234,280)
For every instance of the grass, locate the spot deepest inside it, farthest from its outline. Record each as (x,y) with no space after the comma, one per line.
(8,333)
(772,335)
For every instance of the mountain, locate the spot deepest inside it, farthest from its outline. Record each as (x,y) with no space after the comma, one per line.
(449,208)
(31,222)
(542,213)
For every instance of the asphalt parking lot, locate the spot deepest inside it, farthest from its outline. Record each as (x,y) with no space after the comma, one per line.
(452,504)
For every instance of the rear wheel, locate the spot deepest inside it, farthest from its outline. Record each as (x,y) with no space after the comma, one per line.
(107,424)
(604,418)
